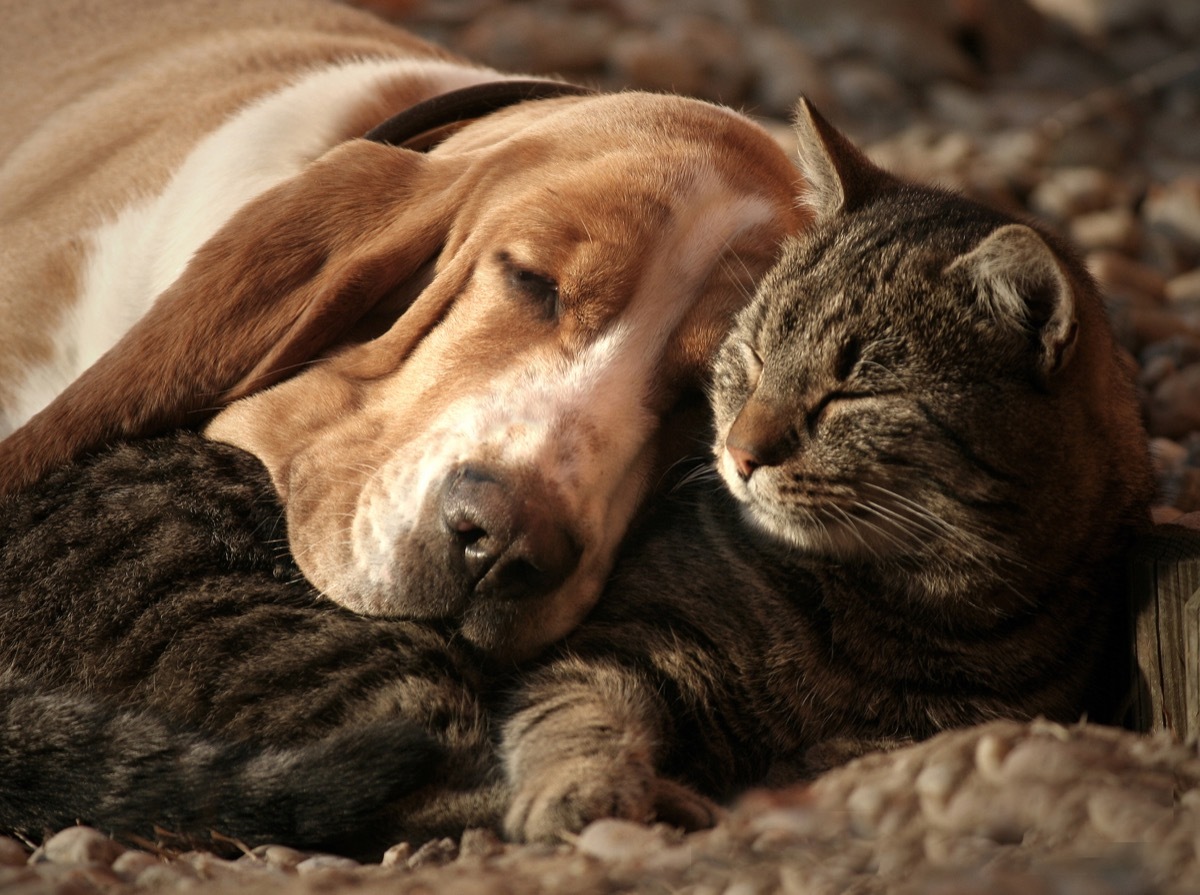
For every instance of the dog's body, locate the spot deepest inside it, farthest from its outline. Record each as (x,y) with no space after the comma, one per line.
(505,326)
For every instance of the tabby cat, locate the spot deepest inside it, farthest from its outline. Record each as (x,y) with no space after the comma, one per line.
(931,462)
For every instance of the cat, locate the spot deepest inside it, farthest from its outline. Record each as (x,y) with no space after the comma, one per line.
(171,672)
(930,462)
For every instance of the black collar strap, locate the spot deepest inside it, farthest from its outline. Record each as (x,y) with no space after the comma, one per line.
(422,126)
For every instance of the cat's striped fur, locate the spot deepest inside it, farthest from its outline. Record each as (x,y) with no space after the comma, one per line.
(932,461)
(188,677)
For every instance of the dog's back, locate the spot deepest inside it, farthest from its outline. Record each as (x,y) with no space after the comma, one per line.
(103,102)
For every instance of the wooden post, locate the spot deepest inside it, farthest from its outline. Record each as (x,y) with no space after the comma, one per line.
(1165,605)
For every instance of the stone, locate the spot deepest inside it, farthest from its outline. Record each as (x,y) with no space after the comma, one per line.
(479,844)
(1117,274)
(326,862)
(1068,192)
(1116,229)
(783,71)
(132,863)
(613,839)
(81,845)
(1096,18)
(521,37)
(687,54)
(1183,289)
(1152,325)
(1174,406)
(397,856)
(280,857)
(1174,209)
(12,853)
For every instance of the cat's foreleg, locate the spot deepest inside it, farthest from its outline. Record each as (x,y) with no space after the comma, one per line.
(585,743)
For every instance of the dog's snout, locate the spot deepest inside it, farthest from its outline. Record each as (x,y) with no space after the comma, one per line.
(512,540)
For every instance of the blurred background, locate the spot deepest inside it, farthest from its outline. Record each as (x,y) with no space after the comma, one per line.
(1084,113)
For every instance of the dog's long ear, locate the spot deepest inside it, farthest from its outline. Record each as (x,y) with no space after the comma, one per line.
(283,280)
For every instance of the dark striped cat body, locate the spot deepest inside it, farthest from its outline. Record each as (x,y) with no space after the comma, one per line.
(169,666)
(932,462)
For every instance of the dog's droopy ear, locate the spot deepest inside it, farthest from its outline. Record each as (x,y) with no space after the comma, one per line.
(280,282)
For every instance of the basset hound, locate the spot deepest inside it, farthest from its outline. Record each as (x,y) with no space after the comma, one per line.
(457,314)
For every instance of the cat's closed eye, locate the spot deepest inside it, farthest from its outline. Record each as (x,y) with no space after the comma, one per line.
(753,364)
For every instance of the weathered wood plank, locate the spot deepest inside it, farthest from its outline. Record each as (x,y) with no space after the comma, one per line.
(1165,605)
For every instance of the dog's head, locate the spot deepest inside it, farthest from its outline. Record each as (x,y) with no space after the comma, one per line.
(564,270)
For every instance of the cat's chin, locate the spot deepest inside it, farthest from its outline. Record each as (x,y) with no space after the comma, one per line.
(833,539)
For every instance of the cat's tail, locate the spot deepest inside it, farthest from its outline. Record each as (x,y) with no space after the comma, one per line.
(68,758)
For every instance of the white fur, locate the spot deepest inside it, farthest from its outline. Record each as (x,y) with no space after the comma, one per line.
(146,247)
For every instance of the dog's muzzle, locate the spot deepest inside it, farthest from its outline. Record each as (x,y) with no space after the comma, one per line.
(505,539)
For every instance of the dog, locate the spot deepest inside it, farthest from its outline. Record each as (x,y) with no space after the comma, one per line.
(461,316)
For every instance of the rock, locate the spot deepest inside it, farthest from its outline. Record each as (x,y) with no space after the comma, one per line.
(1098,18)
(131,864)
(165,876)
(1169,515)
(12,853)
(327,863)
(1121,276)
(278,856)
(612,839)
(1174,210)
(397,856)
(1174,406)
(1183,289)
(1114,229)
(686,54)
(1152,325)
(479,844)
(80,845)
(525,38)
(1066,193)
(783,71)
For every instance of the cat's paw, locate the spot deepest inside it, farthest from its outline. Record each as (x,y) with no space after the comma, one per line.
(568,797)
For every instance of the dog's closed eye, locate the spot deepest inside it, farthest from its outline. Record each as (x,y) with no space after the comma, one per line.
(539,289)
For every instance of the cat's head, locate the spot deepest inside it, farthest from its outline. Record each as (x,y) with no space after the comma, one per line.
(920,375)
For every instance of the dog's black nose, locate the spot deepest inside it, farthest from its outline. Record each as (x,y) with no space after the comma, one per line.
(512,541)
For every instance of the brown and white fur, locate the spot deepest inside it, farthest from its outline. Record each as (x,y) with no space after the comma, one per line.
(494,340)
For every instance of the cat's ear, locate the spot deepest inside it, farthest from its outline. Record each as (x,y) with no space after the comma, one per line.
(838,176)
(1022,284)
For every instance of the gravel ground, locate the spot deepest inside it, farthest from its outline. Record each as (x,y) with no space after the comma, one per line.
(1083,112)
(1002,808)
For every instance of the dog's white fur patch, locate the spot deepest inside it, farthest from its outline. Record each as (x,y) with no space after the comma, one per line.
(135,257)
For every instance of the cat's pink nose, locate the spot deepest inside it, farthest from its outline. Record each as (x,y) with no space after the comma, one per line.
(744,460)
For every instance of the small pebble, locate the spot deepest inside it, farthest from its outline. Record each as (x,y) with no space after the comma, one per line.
(279,857)
(612,839)
(1116,229)
(326,862)
(132,863)
(1184,289)
(12,853)
(81,845)
(397,856)
(479,844)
